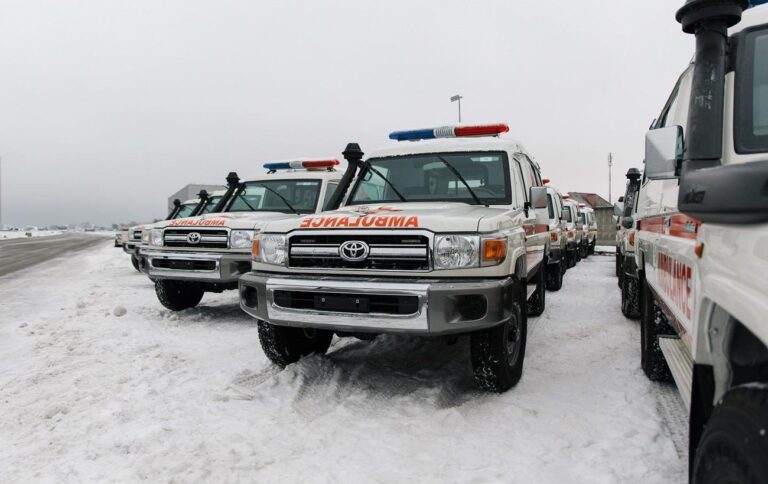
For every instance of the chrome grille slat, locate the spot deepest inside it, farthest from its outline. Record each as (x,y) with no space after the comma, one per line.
(209,238)
(387,251)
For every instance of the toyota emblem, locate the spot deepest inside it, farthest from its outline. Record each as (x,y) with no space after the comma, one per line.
(193,238)
(354,251)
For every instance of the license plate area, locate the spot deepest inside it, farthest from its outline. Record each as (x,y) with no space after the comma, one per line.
(342,302)
(330,302)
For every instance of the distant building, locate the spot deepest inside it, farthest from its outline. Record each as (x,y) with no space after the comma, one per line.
(190,191)
(606,224)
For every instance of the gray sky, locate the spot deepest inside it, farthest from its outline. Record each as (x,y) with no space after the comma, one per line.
(107,107)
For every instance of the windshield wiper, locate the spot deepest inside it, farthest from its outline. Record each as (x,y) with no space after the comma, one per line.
(368,166)
(279,196)
(461,179)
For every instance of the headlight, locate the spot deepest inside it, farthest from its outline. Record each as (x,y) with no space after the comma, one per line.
(145,237)
(241,239)
(271,249)
(156,237)
(456,251)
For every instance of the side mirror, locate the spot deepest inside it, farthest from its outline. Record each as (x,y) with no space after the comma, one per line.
(627,222)
(621,199)
(663,152)
(538,197)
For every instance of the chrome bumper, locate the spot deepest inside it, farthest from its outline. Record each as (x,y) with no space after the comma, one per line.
(440,307)
(222,267)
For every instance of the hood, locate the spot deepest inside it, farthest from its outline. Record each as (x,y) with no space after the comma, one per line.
(233,220)
(434,216)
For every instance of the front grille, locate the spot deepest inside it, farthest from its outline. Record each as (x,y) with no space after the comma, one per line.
(209,239)
(348,303)
(136,235)
(184,265)
(386,252)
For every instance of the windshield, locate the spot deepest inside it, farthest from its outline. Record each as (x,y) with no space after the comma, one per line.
(429,178)
(582,218)
(265,196)
(210,204)
(185,210)
(751,128)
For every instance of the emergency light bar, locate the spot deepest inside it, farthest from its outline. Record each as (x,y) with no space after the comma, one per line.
(581,205)
(449,132)
(298,164)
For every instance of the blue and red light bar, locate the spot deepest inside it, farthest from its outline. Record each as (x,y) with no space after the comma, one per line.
(449,132)
(299,164)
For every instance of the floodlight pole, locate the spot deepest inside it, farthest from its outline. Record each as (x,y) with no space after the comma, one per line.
(458,98)
(610,164)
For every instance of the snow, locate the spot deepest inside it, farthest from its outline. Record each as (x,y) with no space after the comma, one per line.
(99,383)
(20,234)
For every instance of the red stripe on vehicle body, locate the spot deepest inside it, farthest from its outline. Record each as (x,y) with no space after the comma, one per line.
(678,225)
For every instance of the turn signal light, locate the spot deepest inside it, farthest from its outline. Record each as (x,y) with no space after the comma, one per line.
(494,250)
(570,234)
(553,236)
(631,238)
(255,248)
(698,249)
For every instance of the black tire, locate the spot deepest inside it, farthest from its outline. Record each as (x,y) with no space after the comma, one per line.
(555,276)
(578,253)
(630,297)
(535,306)
(591,247)
(498,353)
(734,445)
(653,323)
(571,259)
(285,345)
(618,263)
(178,295)
(135,262)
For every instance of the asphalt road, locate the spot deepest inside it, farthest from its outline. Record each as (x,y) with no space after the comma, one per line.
(19,254)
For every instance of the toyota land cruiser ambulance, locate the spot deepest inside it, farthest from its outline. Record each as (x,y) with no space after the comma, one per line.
(589,230)
(626,268)
(136,235)
(190,256)
(702,249)
(558,239)
(443,234)
(573,231)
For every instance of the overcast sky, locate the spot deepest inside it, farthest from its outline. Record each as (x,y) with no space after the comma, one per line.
(108,107)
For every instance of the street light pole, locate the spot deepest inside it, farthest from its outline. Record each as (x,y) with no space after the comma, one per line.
(610,164)
(458,98)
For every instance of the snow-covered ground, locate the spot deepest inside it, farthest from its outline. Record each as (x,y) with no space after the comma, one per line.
(20,234)
(98,382)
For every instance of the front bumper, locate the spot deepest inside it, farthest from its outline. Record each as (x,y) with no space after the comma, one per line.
(433,307)
(555,256)
(130,247)
(218,267)
(628,265)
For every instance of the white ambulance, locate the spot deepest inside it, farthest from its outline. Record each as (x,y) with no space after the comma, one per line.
(702,249)
(626,239)
(443,234)
(190,256)
(573,231)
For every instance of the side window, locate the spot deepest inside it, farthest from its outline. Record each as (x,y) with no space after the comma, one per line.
(518,187)
(551,206)
(329,191)
(535,175)
(670,108)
